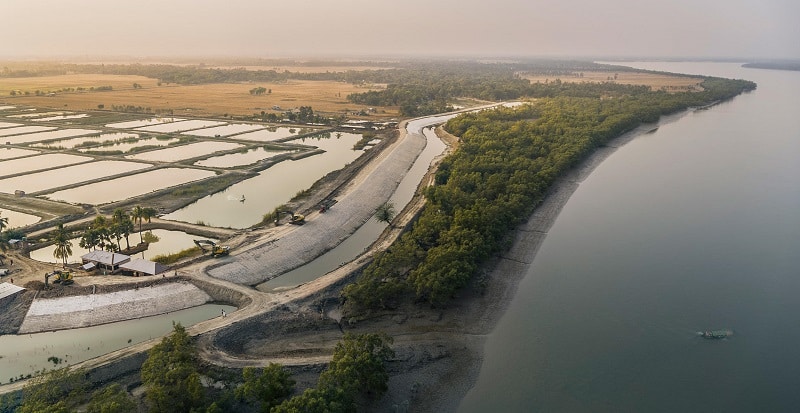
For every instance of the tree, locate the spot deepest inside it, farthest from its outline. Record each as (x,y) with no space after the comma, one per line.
(385,213)
(357,364)
(54,392)
(111,399)
(61,239)
(140,213)
(170,374)
(121,226)
(266,388)
(3,222)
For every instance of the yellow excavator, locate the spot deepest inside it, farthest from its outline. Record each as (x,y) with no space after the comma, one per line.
(215,249)
(295,219)
(62,277)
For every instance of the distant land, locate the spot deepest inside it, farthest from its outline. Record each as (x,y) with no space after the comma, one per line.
(775,65)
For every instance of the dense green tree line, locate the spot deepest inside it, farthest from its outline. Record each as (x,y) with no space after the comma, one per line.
(174,382)
(507,160)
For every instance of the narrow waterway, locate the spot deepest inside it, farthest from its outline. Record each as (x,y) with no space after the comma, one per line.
(693,227)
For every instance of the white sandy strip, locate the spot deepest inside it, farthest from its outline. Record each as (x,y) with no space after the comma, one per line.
(47,314)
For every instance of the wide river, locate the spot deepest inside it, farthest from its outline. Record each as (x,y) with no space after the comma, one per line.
(693,227)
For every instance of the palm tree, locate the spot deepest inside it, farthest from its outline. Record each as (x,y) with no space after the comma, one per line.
(385,213)
(60,238)
(3,222)
(121,226)
(140,213)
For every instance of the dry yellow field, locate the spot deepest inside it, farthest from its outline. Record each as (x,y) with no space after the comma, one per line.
(654,80)
(201,100)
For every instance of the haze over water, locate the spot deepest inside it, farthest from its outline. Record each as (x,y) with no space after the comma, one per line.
(693,227)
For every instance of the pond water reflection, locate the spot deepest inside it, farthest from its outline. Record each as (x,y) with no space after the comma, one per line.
(191,150)
(55,178)
(39,162)
(232,160)
(18,219)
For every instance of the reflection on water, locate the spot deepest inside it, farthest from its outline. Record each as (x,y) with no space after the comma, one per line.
(9,124)
(9,153)
(272,134)
(23,129)
(169,242)
(272,187)
(129,186)
(55,178)
(75,142)
(27,354)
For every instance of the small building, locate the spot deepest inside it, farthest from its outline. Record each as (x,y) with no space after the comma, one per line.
(104,261)
(141,266)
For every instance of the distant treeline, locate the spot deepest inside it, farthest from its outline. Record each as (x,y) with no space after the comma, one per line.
(506,162)
(776,65)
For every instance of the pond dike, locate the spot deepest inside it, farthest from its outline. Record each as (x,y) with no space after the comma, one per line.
(49,314)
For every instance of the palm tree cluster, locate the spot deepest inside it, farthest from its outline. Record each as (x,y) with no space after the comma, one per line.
(107,233)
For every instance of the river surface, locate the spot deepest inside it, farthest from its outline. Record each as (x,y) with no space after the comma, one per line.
(693,227)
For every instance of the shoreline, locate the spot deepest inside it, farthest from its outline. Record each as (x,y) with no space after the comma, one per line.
(459,372)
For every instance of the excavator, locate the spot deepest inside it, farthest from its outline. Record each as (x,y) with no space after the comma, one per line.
(216,250)
(62,277)
(296,219)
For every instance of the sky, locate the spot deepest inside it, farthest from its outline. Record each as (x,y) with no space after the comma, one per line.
(352,28)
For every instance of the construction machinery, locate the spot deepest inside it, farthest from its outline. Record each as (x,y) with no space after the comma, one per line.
(206,245)
(62,277)
(295,219)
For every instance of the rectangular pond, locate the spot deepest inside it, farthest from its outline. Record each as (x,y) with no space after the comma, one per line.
(181,126)
(225,130)
(55,178)
(61,117)
(18,219)
(233,160)
(273,133)
(39,162)
(191,150)
(127,146)
(36,115)
(270,188)
(129,186)
(7,107)
(42,136)
(142,122)
(24,129)
(86,140)
(9,124)
(10,153)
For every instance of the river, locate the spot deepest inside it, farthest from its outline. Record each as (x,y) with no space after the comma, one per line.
(693,227)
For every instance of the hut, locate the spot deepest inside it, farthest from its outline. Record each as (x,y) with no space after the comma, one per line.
(140,266)
(104,260)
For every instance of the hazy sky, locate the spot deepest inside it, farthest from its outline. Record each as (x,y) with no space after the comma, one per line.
(268,28)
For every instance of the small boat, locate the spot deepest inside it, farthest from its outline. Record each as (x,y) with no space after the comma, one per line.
(716,334)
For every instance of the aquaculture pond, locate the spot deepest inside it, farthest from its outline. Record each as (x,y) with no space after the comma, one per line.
(18,219)
(271,188)
(248,157)
(169,242)
(142,122)
(62,117)
(225,130)
(39,162)
(178,153)
(126,146)
(9,124)
(273,133)
(181,126)
(29,353)
(11,153)
(76,142)
(55,178)
(129,186)
(41,136)
(35,115)
(23,129)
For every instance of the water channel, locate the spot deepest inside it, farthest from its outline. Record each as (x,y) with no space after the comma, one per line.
(693,227)
(29,353)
